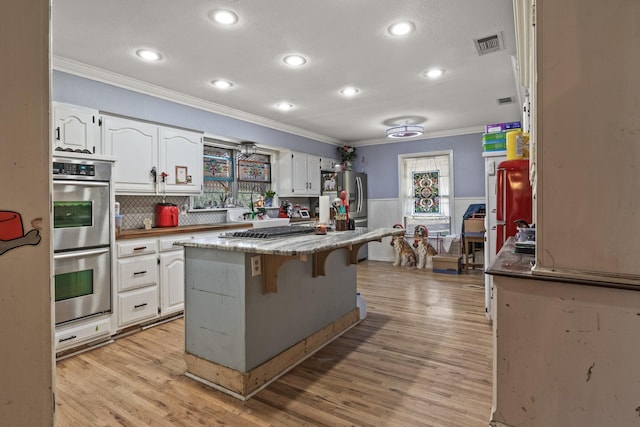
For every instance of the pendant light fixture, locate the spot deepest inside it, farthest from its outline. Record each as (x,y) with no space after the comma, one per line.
(248,148)
(405,131)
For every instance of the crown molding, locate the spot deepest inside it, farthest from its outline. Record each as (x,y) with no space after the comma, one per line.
(79,69)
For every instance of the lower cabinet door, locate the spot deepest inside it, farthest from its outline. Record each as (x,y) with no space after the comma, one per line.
(172,281)
(137,305)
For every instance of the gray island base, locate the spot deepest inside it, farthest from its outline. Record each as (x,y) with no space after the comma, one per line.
(255,308)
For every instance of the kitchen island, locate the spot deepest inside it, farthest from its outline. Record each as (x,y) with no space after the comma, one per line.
(254,308)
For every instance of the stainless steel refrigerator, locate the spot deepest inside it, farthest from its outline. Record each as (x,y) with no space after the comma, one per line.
(355,184)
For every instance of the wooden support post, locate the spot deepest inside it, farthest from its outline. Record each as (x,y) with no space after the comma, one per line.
(270,265)
(352,252)
(319,259)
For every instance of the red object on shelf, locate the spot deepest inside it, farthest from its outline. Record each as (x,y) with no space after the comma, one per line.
(514,201)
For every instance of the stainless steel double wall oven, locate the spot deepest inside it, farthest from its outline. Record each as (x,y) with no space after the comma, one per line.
(81,238)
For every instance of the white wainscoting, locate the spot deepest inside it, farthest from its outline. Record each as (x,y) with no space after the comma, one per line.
(383,213)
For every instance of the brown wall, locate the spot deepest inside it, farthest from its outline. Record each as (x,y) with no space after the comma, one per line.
(26,360)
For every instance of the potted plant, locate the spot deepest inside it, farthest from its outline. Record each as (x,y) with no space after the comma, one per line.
(347,153)
(268,198)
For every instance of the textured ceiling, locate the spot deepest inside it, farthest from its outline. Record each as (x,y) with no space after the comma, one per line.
(345,40)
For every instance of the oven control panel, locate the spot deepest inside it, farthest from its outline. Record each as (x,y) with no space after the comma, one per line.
(78,169)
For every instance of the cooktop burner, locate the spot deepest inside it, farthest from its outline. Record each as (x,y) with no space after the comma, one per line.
(270,232)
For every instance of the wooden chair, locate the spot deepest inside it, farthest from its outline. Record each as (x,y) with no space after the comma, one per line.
(473,235)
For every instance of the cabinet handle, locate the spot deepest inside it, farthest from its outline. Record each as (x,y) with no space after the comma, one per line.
(139,248)
(154,174)
(140,305)
(72,337)
(58,133)
(137,273)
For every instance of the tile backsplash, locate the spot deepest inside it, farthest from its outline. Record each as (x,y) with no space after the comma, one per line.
(134,209)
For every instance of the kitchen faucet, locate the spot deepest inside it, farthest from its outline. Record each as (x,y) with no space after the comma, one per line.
(253,211)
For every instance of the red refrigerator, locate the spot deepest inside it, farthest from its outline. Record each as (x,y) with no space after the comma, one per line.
(514,198)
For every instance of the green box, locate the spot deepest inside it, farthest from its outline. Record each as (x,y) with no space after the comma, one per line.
(494,146)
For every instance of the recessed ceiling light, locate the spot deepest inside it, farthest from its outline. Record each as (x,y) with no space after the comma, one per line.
(284,106)
(401,28)
(349,91)
(434,73)
(221,84)
(148,55)
(224,17)
(294,60)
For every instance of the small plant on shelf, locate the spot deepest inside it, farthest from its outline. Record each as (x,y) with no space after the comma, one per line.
(268,197)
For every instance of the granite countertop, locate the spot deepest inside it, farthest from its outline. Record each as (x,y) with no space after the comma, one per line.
(293,245)
(137,233)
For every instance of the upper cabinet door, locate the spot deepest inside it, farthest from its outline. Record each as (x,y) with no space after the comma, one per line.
(313,175)
(300,183)
(180,158)
(76,128)
(298,174)
(135,146)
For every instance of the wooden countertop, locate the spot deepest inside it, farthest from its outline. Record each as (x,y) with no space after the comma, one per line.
(167,231)
(521,266)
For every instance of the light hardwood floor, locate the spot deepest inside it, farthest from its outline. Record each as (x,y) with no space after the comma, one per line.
(422,357)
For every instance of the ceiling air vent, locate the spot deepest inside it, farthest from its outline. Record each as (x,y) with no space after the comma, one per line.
(489,44)
(503,101)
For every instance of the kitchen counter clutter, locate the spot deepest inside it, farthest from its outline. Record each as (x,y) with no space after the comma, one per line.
(256,307)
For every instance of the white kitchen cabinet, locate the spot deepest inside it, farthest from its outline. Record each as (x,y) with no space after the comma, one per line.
(328,164)
(491,162)
(149,279)
(136,282)
(180,157)
(137,305)
(172,274)
(76,128)
(134,144)
(172,279)
(144,151)
(298,174)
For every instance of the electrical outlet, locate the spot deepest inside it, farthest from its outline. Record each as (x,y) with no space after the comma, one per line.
(256,266)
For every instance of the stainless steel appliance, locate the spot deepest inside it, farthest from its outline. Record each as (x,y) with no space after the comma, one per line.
(81,238)
(355,184)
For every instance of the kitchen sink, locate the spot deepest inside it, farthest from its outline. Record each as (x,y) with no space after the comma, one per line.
(238,215)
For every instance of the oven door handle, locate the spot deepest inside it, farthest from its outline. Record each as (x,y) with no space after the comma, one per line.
(81,183)
(78,254)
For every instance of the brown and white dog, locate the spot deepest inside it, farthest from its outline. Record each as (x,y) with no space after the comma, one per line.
(424,249)
(404,255)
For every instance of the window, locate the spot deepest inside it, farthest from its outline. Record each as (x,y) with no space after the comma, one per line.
(230,177)
(426,191)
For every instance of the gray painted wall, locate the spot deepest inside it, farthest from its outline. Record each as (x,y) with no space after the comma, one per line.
(379,161)
(381,164)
